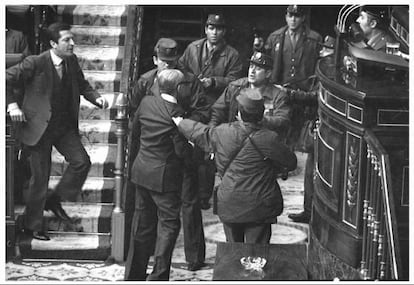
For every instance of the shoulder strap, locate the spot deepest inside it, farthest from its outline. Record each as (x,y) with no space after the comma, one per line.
(234,156)
(257,149)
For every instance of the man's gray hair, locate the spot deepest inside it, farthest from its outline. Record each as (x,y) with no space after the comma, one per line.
(168,80)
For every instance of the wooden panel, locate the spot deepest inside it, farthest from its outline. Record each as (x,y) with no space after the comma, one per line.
(352,187)
(283,262)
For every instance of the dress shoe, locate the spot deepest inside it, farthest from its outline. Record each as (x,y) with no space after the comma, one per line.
(301,217)
(194,266)
(37,235)
(53,204)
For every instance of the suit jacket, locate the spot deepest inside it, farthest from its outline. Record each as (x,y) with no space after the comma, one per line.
(36,74)
(159,162)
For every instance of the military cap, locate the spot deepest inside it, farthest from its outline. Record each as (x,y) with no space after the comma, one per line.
(166,49)
(261,59)
(296,9)
(251,100)
(379,12)
(216,20)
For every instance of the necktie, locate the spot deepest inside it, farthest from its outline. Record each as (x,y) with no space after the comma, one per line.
(61,69)
(294,39)
(63,64)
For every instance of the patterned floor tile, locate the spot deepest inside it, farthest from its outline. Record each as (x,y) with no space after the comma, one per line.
(62,272)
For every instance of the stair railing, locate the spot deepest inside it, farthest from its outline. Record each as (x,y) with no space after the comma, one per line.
(129,75)
(41,19)
(381,259)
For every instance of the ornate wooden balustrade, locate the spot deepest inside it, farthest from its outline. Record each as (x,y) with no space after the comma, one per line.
(381,258)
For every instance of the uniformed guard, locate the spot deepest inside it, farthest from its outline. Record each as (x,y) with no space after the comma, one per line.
(215,63)
(373,21)
(295,50)
(277,111)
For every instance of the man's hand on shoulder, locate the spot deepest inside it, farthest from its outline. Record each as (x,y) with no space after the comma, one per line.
(102,103)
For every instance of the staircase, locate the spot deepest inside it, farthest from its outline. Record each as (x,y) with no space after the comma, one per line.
(99,37)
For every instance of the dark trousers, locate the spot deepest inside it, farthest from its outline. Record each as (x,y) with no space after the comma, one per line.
(194,242)
(308,184)
(248,232)
(68,143)
(206,173)
(156,220)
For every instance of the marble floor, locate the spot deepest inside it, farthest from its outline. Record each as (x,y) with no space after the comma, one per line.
(284,231)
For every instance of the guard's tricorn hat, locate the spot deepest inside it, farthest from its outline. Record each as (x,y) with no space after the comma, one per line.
(251,100)
(216,20)
(296,10)
(374,11)
(261,59)
(378,12)
(166,49)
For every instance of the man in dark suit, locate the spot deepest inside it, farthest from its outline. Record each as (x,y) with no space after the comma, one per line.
(158,174)
(192,99)
(48,116)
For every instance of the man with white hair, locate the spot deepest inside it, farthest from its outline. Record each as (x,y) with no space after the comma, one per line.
(157,173)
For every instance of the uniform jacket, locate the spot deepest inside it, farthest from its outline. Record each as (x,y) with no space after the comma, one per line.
(35,73)
(277,110)
(225,65)
(158,165)
(379,41)
(249,191)
(301,61)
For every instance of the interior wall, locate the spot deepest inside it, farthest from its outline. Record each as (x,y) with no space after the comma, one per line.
(242,20)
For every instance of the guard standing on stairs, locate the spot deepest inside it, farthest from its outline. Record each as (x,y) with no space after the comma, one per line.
(53,82)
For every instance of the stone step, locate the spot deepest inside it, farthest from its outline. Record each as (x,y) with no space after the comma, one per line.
(86,218)
(89,111)
(100,58)
(94,15)
(75,246)
(102,158)
(97,131)
(95,189)
(99,36)
(104,81)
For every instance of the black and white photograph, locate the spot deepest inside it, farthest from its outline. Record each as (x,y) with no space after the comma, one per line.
(206,143)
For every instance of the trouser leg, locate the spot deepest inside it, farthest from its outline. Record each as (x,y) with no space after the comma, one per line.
(206,174)
(308,184)
(70,146)
(194,241)
(258,233)
(40,161)
(143,236)
(168,205)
